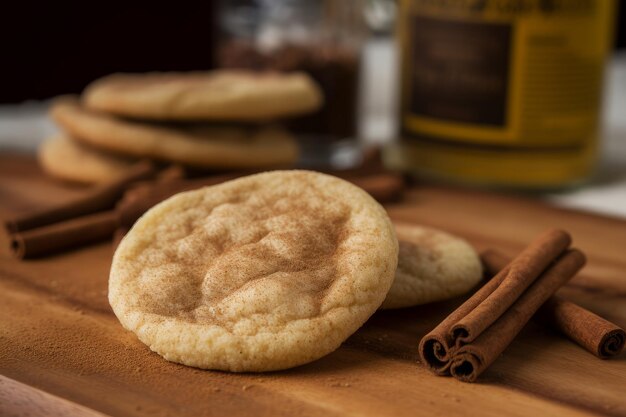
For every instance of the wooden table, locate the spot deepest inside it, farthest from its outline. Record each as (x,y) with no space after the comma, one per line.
(63,352)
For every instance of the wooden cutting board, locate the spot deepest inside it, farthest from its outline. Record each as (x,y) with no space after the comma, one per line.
(62,351)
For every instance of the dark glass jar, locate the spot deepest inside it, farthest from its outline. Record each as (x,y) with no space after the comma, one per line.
(322,38)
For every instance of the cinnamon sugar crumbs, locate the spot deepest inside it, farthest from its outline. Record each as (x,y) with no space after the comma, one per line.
(90,359)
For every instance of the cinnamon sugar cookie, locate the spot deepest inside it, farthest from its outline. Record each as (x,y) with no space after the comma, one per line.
(432,266)
(261,273)
(216,95)
(63,157)
(197,145)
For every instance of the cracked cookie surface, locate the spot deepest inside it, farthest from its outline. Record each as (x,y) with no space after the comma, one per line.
(261,273)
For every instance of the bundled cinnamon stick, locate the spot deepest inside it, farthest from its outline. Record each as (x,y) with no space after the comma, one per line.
(64,235)
(597,335)
(385,188)
(100,198)
(79,222)
(477,332)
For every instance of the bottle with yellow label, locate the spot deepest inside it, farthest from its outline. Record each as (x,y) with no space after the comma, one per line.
(501,93)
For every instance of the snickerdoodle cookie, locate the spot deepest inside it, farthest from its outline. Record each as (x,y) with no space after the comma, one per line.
(197,145)
(63,157)
(261,273)
(216,95)
(432,266)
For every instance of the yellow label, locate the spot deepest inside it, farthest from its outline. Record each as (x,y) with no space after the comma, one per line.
(503,92)
(506,72)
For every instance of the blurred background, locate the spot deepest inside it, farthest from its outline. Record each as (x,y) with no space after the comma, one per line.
(437,84)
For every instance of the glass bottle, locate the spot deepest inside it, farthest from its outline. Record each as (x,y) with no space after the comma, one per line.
(502,93)
(322,38)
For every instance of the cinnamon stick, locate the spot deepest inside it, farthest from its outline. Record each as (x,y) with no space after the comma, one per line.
(385,188)
(477,332)
(472,359)
(172,172)
(595,334)
(64,235)
(102,197)
(520,274)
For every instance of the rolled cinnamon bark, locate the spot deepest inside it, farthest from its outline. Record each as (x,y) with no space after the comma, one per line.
(384,188)
(471,359)
(521,273)
(172,172)
(472,337)
(437,347)
(100,198)
(64,235)
(597,335)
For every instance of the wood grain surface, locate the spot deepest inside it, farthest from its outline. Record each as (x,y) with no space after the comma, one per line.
(63,352)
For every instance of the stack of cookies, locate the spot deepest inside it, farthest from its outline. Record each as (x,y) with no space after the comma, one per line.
(219,120)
